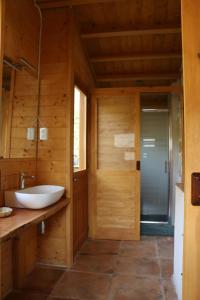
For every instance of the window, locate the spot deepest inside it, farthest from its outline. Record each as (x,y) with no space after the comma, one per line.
(80,129)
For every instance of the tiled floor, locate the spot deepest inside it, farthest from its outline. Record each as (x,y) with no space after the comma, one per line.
(108,270)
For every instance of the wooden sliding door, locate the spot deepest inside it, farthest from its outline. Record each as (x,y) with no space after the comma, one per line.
(115,180)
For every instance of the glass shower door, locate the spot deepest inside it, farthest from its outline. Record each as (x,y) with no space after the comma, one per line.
(154,165)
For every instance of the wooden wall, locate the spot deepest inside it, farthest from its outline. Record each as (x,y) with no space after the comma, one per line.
(83,74)
(10,170)
(20,24)
(54,161)
(24,115)
(20,38)
(52,164)
(54,97)
(59,67)
(62,62)
(191,78)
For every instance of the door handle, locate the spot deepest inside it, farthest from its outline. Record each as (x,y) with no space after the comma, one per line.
(166,166)
(138,165)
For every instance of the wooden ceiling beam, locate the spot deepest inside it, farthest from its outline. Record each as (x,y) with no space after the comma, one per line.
(45,4)
(135,57)
(135,77)
(135,32)
(141,89)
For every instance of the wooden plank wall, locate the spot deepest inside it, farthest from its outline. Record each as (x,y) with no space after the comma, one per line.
(62,60)
(53,153)
(54,97)
(57,92)
(83,74)
(21,40)
(191,80)
(22,26)
(10,170)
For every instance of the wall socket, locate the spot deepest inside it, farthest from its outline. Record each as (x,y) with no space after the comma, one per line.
(30,134)
(43,134)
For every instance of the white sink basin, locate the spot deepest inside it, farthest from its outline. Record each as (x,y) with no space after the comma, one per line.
(40,196)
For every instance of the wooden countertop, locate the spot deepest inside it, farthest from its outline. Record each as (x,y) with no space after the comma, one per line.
(21,218)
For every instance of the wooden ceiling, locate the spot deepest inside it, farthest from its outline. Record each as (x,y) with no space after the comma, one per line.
(129,42)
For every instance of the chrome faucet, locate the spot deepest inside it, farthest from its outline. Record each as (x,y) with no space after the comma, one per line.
(24,176)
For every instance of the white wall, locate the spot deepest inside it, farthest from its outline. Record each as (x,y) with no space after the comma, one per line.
(176,155)
(178,242)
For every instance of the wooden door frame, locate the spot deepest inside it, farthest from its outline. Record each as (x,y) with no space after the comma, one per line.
(190,12)
(83,88)
(80,173)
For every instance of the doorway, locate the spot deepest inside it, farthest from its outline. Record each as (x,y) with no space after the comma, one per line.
(155,146)
(80,177)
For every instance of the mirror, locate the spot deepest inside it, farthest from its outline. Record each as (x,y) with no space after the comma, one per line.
(18,112)
(4,111)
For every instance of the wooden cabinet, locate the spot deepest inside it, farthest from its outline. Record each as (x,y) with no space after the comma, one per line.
(18,258)
(22,245)
(6,267)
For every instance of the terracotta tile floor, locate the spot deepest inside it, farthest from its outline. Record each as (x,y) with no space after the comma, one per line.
(108,270)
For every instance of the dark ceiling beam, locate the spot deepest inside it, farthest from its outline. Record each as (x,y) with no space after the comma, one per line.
(135,32)
(135,57)
(45,4)
(135,77)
